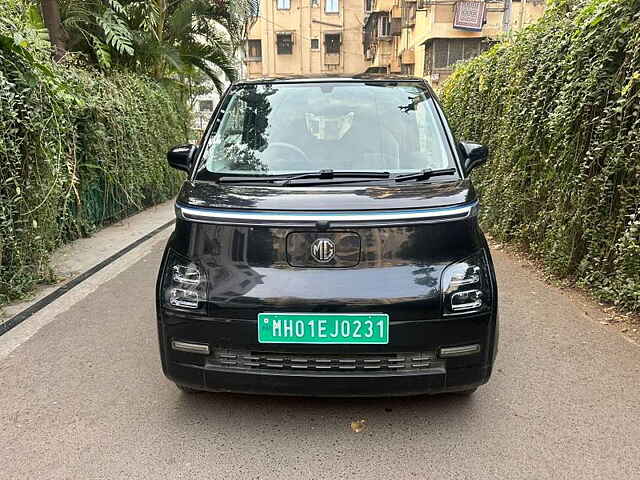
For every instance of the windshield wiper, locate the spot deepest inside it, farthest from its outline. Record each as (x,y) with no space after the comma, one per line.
(285,179)
(425,174)
(329,174)
(243,177)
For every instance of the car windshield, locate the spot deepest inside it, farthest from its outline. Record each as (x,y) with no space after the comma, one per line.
(277,129)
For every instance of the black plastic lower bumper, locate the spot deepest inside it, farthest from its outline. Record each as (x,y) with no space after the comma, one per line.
(274,383)
(451,374)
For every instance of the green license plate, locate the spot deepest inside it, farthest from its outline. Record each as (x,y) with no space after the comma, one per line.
(323,328)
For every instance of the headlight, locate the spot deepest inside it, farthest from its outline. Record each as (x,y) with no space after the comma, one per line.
(185,284)
(466,286)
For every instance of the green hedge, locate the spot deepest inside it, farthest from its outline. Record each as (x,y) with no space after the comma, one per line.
(559,106)
(78,150)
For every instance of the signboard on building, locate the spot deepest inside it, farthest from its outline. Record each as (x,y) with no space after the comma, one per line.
(469,15)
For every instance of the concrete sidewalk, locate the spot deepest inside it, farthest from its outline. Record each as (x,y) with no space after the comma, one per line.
(80,255)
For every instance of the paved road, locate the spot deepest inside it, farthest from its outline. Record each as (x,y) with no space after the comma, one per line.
(84,397)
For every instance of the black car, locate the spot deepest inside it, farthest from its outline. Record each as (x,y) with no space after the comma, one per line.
(327,244)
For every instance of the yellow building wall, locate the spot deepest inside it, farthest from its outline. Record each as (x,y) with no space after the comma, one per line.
(306,22)
(385,5)
(526,13)
(422,21)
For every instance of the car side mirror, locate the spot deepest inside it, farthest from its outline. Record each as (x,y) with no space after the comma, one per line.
(474,155)
(182,156)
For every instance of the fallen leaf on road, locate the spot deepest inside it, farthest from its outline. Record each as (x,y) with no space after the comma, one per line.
(604,323)
(358,425)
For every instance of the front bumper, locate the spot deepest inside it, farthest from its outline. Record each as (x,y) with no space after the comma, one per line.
(269,369)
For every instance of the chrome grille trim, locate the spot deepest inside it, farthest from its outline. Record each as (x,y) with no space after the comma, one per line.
(344,218)
(244,360)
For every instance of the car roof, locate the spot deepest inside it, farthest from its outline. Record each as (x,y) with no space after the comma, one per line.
(360,77)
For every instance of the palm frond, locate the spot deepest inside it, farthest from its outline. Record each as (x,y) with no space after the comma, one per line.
(181,20)
(77,15)
(172,56)
(210,72)
(118,8)
(144,14)
(102,53)
(117,33)
(212,59)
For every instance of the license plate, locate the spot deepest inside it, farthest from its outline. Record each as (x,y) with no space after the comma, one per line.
(336,328)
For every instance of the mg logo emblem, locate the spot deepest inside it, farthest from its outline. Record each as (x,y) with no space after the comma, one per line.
(323,250)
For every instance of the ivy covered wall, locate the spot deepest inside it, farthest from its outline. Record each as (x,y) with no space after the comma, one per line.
(78,150)
(559,107)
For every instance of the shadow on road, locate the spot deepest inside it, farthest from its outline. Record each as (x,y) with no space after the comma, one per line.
(291,415)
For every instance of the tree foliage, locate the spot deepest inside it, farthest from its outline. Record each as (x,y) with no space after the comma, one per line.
(163,38)
(559,106)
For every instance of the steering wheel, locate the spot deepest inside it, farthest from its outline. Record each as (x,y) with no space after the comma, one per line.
(284,161)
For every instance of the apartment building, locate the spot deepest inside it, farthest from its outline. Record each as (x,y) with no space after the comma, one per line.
(428,37)
(293,37)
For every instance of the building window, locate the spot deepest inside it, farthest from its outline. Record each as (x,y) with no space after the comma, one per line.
(206,105)
(254,49)
(368,5)
(315,3)
(284,43)
(315,44)
(331,6)
(384,27)
(332,43)
(284,4)
(449,51)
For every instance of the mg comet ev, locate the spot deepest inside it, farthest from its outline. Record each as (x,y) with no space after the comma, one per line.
(327,244)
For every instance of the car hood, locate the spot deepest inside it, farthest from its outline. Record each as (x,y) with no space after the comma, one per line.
(328,197)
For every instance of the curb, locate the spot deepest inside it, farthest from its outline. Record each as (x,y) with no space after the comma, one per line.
(20,317)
